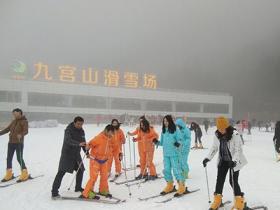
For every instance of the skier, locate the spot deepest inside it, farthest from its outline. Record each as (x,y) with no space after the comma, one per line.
(276,139)
(239,127)
(70,159)
(136,133)
(146,148)
(249,128)
(99,155)
(116,148)
(198,135)
(18,128)
(231,158)
(185,148)
(272,125)
(171,140)
(206,124)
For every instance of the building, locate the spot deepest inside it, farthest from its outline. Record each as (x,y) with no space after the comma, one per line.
(53,100)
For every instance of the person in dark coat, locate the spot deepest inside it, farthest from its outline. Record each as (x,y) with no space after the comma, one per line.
(276,140)
(70,160)
(198,135)
(206,124)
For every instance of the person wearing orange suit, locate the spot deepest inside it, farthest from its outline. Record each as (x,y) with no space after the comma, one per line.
(118,140)
(146,148)
(135,133)
(99,148)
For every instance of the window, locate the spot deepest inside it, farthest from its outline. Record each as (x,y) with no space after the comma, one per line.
(216,108)
(46,99)
(123,104)
(10,96)
(164,106)
(187,107)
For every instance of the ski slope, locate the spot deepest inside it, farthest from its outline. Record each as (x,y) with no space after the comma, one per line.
(259,179)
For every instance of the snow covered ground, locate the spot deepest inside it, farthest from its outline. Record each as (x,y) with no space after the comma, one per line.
(259,179)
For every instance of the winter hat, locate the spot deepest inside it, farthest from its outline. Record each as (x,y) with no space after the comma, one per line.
(222,123)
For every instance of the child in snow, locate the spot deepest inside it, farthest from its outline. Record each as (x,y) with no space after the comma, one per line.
(198,135)
(231,158)
(171,141)
(186,146)
(145,137)
(99,155)
(276,139)
(116,148)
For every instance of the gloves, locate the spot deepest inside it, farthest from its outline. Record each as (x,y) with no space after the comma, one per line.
(205,161)
(134,139)
(231,164)
(120,156)
(177,144)
(155,141)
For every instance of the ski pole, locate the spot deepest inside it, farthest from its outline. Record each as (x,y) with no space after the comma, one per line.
(275,147)
(134,158)
(232,180)
(209,201)
(130,159)
(125,171)
(80,165)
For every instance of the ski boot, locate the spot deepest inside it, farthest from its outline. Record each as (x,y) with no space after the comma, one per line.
(239,203)
(181,189)
(217,202)
(9,175)
(106,194)
(168,189)
(24,176)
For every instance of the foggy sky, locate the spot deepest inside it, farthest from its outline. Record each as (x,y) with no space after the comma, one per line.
(225,46)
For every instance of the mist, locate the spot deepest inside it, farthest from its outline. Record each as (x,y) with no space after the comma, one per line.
(223,46)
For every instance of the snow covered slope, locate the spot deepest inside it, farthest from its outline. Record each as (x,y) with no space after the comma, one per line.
(259,179)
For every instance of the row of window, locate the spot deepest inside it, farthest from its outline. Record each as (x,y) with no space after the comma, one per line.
(77,101)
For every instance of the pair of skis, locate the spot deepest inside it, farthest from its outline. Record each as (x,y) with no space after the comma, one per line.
(133,182)
(197,148)
(11,183)
(246,207)
(168,199)
(103,200)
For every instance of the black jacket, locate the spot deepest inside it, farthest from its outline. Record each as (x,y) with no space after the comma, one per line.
(70,154)
(196,128)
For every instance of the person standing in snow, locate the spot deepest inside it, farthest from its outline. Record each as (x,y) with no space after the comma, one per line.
(228,145)
(17,129)
(171,140)
(272,125)
(206,124)
(99,155)
(249,128)
(185,147)
(116,148)
(198,135)
(239,127)
(70,160)
(276,139)
(146,148)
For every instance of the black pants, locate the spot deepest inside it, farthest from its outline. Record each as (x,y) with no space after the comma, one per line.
(198,139)
(12,147)
(221,177)
(58,179)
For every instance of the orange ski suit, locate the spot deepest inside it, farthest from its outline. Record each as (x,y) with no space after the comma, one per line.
(115,149)
(99,155)
(146,150)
